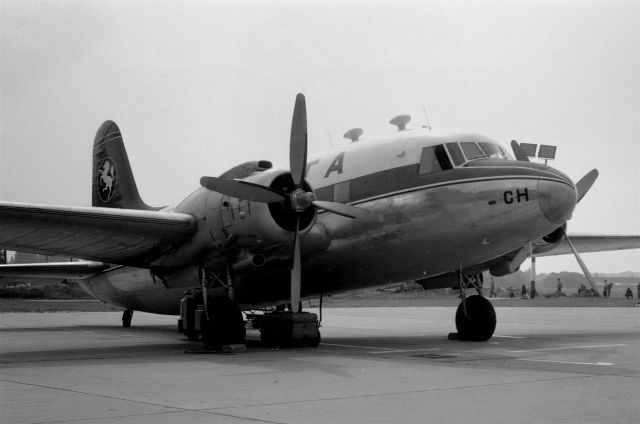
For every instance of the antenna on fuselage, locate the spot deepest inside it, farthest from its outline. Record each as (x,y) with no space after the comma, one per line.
(330,139)
(426,117)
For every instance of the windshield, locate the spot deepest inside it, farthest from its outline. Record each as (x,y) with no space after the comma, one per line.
(466,151)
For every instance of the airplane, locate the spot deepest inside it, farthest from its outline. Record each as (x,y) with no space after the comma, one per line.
(439,207)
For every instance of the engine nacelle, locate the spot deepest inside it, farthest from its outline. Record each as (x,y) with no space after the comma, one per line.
(549,241)
(256,224)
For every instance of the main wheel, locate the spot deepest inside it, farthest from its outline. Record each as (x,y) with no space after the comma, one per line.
(480,322)
(224,325)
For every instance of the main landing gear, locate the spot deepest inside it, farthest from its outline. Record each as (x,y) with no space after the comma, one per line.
(475,317)
(211,313)
(224,324)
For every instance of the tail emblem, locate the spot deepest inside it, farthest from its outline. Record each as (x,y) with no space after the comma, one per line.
(106,179)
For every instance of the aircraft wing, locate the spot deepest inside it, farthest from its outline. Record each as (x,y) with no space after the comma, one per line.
(110,235)
(593,243)
(59,270)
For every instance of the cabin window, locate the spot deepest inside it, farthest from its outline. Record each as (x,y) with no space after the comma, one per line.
(434,159)
(341,192)
(456,154)
(471,150)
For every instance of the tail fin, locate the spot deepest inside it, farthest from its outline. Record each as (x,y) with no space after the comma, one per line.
(113,182)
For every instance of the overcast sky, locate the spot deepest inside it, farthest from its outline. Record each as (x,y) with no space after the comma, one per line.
(197,87)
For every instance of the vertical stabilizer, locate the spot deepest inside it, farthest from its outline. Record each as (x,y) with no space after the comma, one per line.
(113,182)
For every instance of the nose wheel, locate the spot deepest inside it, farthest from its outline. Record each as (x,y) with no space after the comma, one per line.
(478,322)
(475,316)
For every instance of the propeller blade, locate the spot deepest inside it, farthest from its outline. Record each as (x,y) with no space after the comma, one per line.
(242,190)
(585,270)
(517,151)
(296,271)
(349,211)
(518,259)
(298,143)
(586,182)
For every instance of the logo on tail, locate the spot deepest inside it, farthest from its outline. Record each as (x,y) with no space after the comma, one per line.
(107,179)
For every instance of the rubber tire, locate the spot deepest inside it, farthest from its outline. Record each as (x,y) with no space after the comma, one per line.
(481,321)
(192,335)
(225,325)
(314,342)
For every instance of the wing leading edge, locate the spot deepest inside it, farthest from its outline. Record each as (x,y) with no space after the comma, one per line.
(594,243)
(119,236)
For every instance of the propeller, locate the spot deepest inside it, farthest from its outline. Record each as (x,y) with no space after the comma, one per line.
(582,187)
(585,183)
(517,151)
(299,198)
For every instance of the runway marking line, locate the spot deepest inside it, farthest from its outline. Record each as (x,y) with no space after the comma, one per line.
(567,347)
(510,337)
(379,349)
(600,364)
(407,350)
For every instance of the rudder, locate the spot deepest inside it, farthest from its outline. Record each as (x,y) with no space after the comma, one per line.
(113,183)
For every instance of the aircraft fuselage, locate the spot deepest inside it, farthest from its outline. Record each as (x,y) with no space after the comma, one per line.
(436,211)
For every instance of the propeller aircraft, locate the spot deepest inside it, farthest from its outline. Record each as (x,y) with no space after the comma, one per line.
(436,207)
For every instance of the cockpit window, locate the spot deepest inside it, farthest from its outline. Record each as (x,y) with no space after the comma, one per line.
(494,151)
(466,151)
(471,150)
(504,154)
(490,150)
(456,154)
(434,159)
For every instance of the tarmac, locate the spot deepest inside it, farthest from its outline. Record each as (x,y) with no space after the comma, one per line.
(374,365)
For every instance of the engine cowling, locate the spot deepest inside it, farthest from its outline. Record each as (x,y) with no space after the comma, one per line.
(549,241)
(256,224)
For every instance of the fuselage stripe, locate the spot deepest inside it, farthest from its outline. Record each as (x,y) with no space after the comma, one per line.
(406,179)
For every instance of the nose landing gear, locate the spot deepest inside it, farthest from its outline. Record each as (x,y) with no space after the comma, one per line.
(475,316)
(127,315)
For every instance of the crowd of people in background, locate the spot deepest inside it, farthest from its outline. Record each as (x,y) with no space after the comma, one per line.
(582,290)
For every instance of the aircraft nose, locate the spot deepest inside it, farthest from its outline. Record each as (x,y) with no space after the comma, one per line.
(557,199)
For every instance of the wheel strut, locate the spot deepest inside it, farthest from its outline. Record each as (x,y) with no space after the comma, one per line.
(127,315)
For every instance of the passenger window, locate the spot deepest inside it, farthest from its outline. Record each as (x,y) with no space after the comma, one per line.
(434,159)
(471,150)
(341,192)
(456,153)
